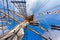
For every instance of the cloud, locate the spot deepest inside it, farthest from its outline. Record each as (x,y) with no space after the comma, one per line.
(53,34)
(30,4)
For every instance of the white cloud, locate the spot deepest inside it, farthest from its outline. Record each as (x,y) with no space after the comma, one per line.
(53,34)
(30,4)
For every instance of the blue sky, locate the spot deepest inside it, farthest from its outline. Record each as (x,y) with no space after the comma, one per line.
(35,7)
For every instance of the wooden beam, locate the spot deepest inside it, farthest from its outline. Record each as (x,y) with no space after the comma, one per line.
(9,16)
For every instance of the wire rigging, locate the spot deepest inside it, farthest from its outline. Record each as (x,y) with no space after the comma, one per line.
(2,22)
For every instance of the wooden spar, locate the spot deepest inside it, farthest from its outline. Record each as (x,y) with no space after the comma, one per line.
(15,29)
(42,28)
(19,27)
(11,32)
(37,33)
(9,16)
(17,13)
(2,28)
(13,12)
(2,17)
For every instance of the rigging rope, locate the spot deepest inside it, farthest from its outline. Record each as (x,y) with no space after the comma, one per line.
(2,18)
